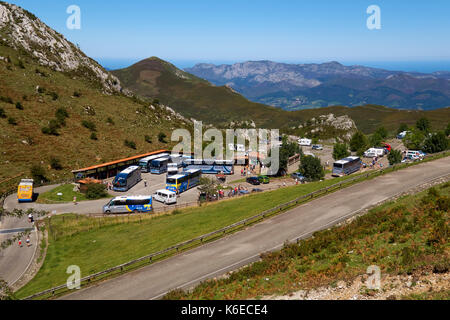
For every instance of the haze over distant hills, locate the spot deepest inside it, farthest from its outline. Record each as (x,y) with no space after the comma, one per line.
(303,86)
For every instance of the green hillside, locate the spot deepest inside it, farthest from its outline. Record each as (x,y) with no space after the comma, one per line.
(30,96)
(197,98)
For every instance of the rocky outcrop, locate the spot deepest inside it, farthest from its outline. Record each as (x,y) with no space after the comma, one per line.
(21,30)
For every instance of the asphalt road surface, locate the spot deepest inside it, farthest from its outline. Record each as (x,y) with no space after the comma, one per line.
(217,258)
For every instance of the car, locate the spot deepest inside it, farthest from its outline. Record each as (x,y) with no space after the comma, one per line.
(254,181)
(264,179)
(244,192)
(317,147)
(298,176)
(256,190)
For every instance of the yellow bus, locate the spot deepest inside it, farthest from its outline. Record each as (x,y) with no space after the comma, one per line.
(25,190)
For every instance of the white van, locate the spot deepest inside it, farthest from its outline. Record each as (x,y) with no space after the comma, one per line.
(165,196)
(305,142)
(413,154)
(374,152)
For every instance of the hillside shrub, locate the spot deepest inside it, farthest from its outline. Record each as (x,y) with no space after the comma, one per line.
(358,142)
(94,136)
(423,124)
(162,137)
(110,121)
(6,100)
(437,142)
(61,114)
(340,151)
(89,125)
(55,163)
(148,139)
(96,191)
(2,113)
(12,121)
(311,168)
(38,173)
(395,156)
(19,106)
(130,144)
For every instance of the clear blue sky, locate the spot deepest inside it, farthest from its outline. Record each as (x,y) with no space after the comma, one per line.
(187,31)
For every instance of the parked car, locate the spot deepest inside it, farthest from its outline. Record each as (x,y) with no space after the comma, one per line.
(264,179)
(298,176)
(317,147)
(244,192)
(256,190)
(254,181)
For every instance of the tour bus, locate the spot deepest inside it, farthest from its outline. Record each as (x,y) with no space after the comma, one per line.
(25,190)
(165,196)
(178,159)
(211,166)
(172,169)
(180,183)
(145,163)
(127,204)
(159,166)
(346,166)
(127,179)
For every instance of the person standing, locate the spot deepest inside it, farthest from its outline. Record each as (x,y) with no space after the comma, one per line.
(28,241)
(145,183)
(20,243)
(75,200)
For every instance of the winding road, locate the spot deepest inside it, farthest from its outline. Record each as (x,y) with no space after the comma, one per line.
(217,258)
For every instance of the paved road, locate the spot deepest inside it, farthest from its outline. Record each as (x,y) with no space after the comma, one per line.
(155,182)
(217,258)
(14,260)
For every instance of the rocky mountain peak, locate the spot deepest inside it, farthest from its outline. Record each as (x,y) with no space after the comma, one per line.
(23,31)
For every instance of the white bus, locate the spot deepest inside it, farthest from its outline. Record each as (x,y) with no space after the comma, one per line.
(145,163)
(346,166)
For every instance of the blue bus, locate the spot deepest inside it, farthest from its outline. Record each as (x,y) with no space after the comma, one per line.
(180,183)
(346,166)
(127,204)
(145,163)
(211,166)
(127,179)
(159,166)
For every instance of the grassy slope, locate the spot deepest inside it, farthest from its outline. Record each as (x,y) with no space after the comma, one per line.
(74,146)
(197,98)
(67,195)
(409,235)
(97,244)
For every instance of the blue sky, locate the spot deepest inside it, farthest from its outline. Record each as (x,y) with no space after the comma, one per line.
(189,31)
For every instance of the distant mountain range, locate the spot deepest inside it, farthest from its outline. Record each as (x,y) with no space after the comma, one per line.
(221,106)
(305,86)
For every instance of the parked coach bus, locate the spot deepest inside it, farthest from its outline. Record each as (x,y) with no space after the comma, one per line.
(182,182)
(346,166)
(127,179)
(210,166)
(159,166)
(25,190)
(145,163)
(129,204)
